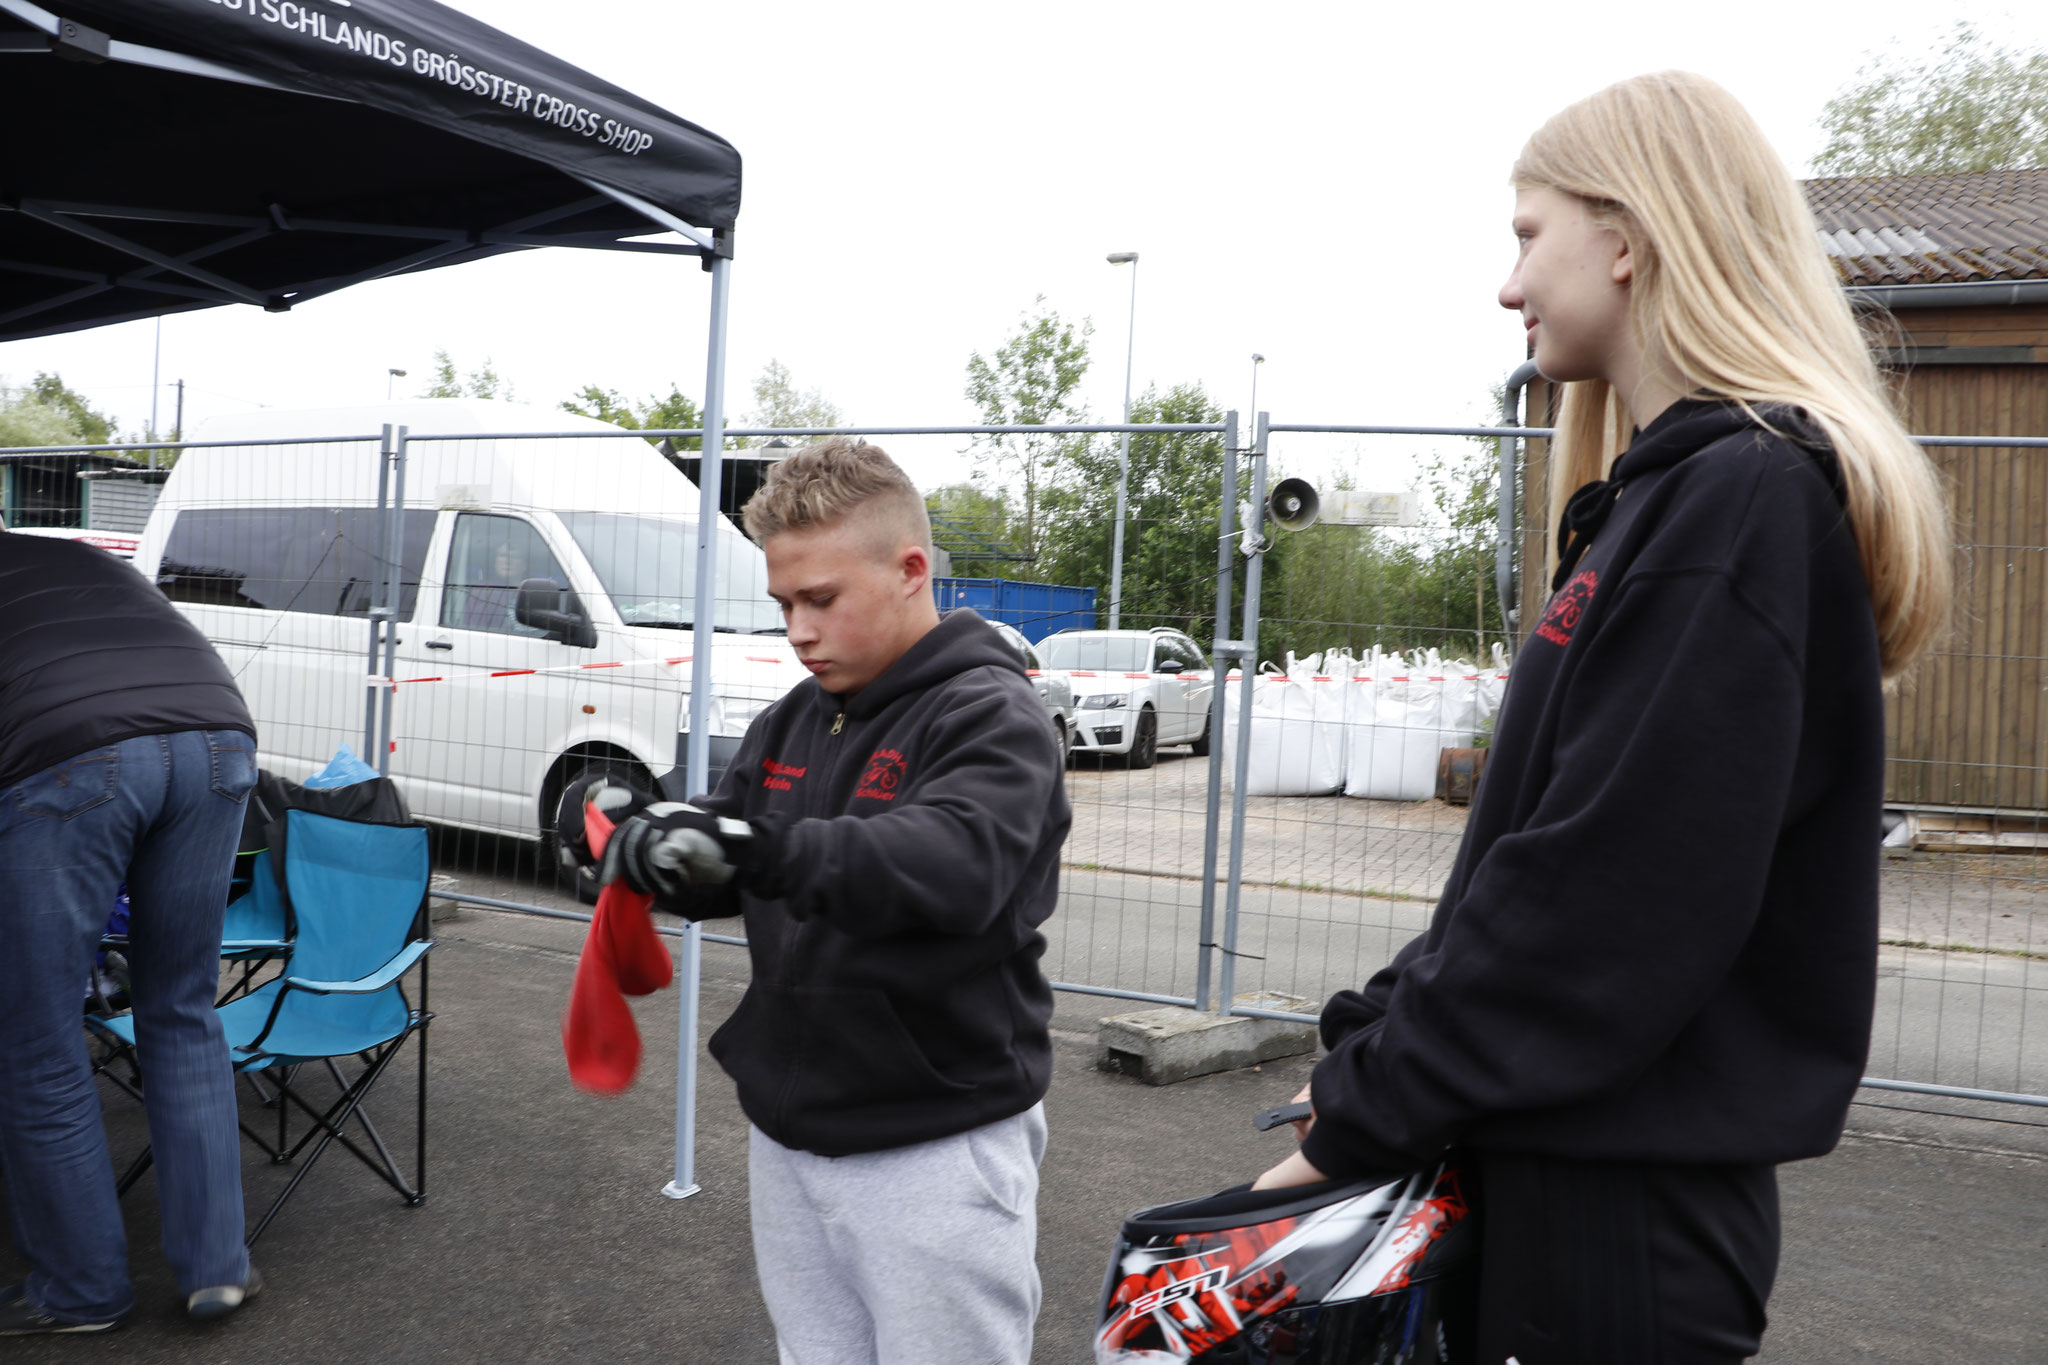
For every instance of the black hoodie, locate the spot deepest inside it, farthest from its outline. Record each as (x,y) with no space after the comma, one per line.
(896,993)
(1658,942)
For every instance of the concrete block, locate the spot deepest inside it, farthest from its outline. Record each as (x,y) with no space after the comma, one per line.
(1161,1046)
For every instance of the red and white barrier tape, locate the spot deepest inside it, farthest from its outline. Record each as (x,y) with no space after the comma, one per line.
(379,680)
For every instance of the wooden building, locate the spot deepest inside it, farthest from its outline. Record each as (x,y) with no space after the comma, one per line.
(1951,275)
(58,490)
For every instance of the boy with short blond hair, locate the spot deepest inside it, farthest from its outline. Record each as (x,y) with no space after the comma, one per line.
(891,830)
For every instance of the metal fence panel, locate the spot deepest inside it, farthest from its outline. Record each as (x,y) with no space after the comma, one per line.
(282,556)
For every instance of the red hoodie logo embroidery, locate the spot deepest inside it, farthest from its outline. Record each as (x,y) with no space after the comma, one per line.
(1561,617)
(883,775)
(781,777)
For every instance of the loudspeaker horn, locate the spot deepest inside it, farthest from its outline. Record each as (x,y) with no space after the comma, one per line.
(1293,505)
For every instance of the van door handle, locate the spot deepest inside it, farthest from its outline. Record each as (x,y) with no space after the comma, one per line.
(440,644)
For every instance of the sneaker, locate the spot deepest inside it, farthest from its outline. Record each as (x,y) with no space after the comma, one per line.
(20,1318)
(217,1301)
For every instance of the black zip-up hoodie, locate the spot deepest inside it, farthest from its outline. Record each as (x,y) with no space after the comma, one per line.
(896,993)
(1658,942)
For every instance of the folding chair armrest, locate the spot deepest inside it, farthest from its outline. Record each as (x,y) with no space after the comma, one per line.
(376,981)
(102,1025)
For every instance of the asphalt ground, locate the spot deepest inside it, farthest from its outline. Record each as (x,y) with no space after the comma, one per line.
(545,1237)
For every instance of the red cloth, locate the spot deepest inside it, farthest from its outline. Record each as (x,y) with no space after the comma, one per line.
(622,956)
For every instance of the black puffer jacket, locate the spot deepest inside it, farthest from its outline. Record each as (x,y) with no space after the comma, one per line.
(91,654)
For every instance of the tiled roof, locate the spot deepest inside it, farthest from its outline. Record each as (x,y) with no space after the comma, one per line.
(1934,229)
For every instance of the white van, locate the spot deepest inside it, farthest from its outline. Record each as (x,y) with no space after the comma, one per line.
(271,548)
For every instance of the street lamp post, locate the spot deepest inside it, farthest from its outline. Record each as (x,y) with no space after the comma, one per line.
(396,375)
(1123,450)
(1257,360)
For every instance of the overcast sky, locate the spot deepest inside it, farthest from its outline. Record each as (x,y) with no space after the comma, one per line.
(1324,183)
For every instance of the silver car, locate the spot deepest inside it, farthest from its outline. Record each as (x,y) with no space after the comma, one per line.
(1135,690)
(1053,688)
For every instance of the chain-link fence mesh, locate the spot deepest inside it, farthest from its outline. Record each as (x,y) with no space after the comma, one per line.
(540,592)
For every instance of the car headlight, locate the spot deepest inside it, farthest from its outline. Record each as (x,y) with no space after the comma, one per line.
(1105,701)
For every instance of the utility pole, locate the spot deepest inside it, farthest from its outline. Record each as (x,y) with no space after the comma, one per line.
(178,422)
(156,368)
(1123,448)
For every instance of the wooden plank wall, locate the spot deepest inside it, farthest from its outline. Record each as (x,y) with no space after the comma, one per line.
(2025,325)
(1970,726)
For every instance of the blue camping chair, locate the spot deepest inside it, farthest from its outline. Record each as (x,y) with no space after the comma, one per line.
(355,895)
(255,930)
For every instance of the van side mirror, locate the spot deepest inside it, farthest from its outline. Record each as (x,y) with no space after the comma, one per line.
(1170,666)
(546,606)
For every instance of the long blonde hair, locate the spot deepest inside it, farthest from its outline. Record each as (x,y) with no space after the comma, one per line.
(1733,294)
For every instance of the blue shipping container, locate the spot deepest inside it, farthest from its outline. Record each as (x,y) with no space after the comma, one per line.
(1035,609)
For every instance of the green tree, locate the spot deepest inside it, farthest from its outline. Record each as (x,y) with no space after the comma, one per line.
(88,424)
(1972,106)
(482,382)
(1030,381)
(1400,588)
(27,419)
(674,412)
(1172,506)
(778,402)
(603,405)
(974,522)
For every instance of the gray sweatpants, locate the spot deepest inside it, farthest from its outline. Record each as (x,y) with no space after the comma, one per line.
(919,1254)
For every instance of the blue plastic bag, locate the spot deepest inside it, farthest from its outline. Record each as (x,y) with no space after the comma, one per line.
(343,770)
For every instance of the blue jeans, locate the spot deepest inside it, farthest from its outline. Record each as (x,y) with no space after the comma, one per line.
(163,813)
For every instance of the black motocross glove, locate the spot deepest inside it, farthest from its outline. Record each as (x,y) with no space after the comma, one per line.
(669,846)
(618,802)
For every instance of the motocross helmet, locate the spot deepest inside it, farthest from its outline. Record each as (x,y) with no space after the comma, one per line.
(1336,1273)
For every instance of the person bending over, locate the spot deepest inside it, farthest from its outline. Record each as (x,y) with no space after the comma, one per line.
(125,755)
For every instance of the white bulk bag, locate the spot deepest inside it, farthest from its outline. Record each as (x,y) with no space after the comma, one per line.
(1493,684)
(1297,744)
(1397,728)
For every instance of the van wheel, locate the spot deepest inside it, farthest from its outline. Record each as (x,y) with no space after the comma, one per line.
(583,880)
(1145,741)
(1200,748)
(1066,736)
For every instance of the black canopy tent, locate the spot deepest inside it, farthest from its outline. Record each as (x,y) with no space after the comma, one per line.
(158,156)
(163,155)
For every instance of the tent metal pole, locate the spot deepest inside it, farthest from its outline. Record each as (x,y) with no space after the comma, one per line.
(697,753)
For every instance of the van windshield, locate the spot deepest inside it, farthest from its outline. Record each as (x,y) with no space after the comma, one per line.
(1108,653)
(648,566)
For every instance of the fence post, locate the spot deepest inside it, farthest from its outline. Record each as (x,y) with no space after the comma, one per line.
(379,606)
(1504,533)
(1241,761)
(394,591)
(1224,650)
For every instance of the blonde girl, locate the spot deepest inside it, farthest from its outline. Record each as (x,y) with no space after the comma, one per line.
(1649,980)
